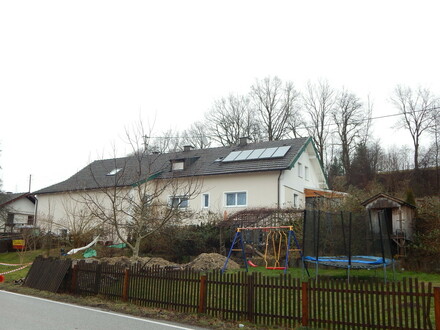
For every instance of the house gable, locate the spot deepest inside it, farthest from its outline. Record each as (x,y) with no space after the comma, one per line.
(19,209)
(310,147)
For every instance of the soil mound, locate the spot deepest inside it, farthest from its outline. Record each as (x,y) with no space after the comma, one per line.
(145,261)
(204,262)
(211,261)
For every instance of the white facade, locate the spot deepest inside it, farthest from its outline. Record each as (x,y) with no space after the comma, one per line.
(305,174)
(19,213)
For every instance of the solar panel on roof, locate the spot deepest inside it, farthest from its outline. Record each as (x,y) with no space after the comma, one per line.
(268,153)
(243,155)
(256,153)
(281,152)
(274,152)
(231,157)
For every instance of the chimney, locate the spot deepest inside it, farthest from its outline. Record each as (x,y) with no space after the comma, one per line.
(244,141)
(187,148)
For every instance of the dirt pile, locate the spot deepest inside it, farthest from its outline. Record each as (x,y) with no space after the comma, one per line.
(204,262)
(210,261)
(145,261)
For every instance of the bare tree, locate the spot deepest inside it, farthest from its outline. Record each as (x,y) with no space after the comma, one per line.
(167,141)
(139,195)
(231,118)
(350,118)
(395,159)
(416,108)
(319,100)
(276,105)
(435,132)
(78,223)
(197,136)
(30,239)
(365,131)
(48,225)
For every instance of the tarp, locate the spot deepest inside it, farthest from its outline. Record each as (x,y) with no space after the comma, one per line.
(89,253)
(118,246)
(73,251)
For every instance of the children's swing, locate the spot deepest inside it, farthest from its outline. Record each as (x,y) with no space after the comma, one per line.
(275,239)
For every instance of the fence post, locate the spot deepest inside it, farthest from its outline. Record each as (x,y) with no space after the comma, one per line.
(126,284)
(305,304)
(203,295)
(97,278)
(250,297)
(74,279)
(437,306)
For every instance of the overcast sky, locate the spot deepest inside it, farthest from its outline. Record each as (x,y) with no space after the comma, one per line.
(75,74)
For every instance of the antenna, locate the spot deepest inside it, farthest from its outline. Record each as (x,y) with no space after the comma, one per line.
(30,182)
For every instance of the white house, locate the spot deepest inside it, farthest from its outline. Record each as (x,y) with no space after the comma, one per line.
(264,174)
(16,211)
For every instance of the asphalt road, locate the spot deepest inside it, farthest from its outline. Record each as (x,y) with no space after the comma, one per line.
(26,312)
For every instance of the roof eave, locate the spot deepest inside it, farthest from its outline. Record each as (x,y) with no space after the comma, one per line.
(301,151)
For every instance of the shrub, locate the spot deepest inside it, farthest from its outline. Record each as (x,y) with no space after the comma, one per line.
(424,252)
(180,243)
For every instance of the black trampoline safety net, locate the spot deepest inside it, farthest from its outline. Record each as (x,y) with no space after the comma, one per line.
(346,240)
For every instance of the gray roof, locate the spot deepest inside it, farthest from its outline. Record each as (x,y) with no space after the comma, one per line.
(7,198)
(200,162)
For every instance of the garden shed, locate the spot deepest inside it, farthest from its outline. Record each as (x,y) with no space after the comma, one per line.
(399,217)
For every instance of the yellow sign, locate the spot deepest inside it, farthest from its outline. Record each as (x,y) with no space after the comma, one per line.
(18,244)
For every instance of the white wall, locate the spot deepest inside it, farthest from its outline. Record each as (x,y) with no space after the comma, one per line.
(261,189)
(294,183)
(21,208)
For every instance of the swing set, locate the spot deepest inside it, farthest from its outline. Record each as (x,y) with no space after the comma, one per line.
(278,240)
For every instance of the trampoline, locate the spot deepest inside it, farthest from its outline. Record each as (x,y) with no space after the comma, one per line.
(347,240)
(355,262)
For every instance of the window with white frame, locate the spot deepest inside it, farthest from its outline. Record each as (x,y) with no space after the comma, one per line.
(236,198)
(295,200)
(181,202)
(306,172)
(300,170)
(205,201)
(178,165)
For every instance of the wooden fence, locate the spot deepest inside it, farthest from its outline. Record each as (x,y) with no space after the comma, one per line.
(283,300)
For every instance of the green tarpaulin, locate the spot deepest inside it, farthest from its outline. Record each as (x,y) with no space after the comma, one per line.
(118,246)
(90,253)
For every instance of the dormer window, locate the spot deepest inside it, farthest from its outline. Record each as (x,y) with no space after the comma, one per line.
(114,172)
(178,165)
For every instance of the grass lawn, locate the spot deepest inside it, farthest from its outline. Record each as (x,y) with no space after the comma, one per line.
(342,273)
(20,258)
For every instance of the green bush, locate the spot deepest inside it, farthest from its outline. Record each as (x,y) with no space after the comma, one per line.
(424,252)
